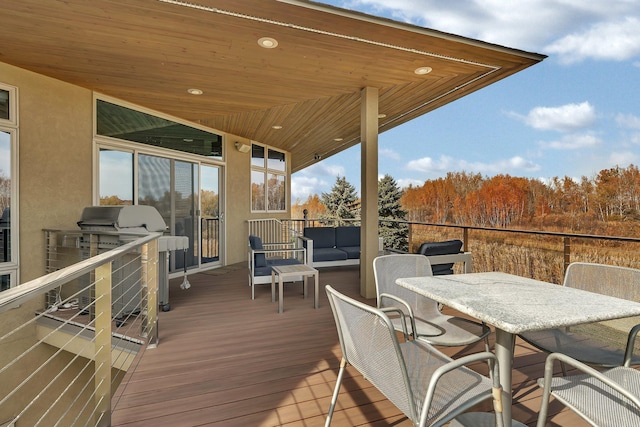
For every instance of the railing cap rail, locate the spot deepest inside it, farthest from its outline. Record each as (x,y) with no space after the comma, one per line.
(13,297)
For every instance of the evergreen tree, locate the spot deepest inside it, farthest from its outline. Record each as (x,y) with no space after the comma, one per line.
(342,201)
(393,233)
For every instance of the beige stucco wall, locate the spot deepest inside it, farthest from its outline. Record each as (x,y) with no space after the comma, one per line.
(55,140)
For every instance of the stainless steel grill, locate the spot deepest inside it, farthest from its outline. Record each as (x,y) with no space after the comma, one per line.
(105,227)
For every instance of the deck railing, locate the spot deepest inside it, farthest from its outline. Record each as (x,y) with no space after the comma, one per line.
(68,338)
(543,255)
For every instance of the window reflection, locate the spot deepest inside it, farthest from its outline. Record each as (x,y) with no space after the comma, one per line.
(124,123)
(4,104)
(116,177)
(5,196)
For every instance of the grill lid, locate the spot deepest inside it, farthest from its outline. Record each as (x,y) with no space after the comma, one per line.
(138,218)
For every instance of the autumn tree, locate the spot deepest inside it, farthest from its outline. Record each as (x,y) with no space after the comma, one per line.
(394,234)
(313,205)
(342,201)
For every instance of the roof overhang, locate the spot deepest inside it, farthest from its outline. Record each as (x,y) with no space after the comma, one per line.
(150,52)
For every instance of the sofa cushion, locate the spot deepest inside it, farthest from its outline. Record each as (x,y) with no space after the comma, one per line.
(328,254)
(441,248)
(323,237)
(260,259)
(353,252)
(347,236)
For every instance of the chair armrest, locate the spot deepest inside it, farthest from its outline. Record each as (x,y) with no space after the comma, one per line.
(548,375)
(459,363)
(631,342)
(402,317)
(414,330)
(305,241)
(395,251)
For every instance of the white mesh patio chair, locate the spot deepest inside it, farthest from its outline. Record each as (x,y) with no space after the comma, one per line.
(592,344)
(426,321)
(606,399)
(426,385)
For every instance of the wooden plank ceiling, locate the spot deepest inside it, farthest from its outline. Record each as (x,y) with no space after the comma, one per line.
(149,52)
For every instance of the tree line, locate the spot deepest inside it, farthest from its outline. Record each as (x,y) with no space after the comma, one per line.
(607,203)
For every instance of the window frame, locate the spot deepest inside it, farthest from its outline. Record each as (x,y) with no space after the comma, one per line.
(267,175)
(10,126)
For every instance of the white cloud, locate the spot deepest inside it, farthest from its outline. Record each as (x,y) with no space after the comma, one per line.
(565,118)
(406,182)
(303,186)
(623,158)
(324,169)
(573,142)
(628,121)
(572,29)
(448,164)
(617,40)
(386,152)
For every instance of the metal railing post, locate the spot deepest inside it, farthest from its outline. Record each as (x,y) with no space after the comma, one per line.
(102,414)
(149,258)
(567,254)
(465,239)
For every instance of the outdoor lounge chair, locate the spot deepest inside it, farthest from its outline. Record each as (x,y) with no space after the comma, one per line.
(590,344)
(427,322)
(607,399)
(426,385)
(262,257)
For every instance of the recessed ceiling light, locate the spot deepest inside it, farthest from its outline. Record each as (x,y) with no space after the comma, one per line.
(276,127)
(268,42)
(382,116)
(337,139)
(195,91)
(423,70)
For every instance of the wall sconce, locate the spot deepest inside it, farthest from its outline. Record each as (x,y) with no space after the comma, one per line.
(243,148)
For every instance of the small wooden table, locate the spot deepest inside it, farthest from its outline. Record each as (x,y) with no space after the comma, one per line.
(283,271)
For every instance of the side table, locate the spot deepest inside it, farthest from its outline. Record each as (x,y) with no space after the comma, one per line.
(283,271)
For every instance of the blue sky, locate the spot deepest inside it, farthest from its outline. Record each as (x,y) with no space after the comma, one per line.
(573,114)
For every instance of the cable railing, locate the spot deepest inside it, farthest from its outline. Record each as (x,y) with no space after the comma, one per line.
(543,255)
(69,337)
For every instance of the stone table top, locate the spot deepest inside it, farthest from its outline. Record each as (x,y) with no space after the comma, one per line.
(517,304)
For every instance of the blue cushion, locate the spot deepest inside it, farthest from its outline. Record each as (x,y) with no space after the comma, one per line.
(328,254)
(441,248)
(323,237)
(347,236)
(260,259)
(353,252)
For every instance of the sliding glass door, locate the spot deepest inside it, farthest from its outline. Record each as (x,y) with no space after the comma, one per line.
(186,194)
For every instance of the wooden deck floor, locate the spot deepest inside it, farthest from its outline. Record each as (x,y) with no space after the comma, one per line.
(226,360)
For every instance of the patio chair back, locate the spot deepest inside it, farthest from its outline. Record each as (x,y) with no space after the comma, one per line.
(594,344)
(388,268)
(427,386)
(368,342)
(615,281)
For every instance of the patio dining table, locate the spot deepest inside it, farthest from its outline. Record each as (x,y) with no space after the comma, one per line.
(515,304)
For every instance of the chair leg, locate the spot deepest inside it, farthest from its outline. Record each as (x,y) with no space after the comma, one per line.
(546,395)
(336,390)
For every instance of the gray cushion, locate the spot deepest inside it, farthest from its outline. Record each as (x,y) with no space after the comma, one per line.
(347,236)
(323,237)
(260,259)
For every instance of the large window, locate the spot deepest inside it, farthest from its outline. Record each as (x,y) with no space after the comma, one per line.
(268,179)
(8,187)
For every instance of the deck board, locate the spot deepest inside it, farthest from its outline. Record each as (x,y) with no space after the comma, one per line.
(224,359)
